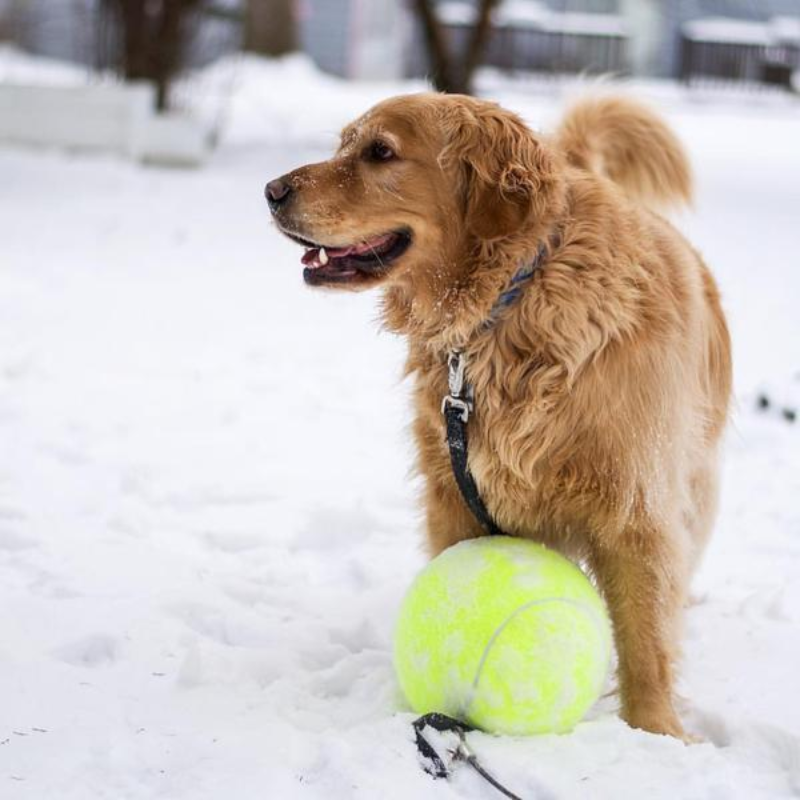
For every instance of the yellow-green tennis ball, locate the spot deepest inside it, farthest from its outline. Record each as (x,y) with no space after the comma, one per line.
(505,635)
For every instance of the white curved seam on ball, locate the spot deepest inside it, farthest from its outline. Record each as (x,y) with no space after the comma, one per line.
(597,619)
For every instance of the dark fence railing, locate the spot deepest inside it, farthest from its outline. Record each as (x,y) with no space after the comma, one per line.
(756,64)
(522,48)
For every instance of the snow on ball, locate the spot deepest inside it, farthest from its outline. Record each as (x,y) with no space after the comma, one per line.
(505,635)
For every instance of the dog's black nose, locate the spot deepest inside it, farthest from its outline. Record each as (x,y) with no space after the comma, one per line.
(277,192)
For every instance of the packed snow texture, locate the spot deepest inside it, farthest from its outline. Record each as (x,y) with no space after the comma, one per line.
(206,516)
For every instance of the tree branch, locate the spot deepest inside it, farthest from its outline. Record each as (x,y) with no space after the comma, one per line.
(448,74)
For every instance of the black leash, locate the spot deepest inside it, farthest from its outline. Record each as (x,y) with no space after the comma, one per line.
(456,408)
(435,765)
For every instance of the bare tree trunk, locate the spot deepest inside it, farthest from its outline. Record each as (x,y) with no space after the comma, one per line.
(478,40)
(448,73)
(438,54)
(153,39)
(135,49)
(12,21)
(270,27)
(168,55)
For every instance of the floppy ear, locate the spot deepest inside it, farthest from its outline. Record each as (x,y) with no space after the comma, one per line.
(509,175)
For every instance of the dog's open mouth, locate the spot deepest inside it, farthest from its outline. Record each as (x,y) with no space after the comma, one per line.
(355,263)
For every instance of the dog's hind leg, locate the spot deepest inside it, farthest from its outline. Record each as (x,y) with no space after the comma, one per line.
(642,577)
(703,491)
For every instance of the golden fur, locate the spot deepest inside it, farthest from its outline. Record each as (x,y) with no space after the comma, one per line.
(601,394)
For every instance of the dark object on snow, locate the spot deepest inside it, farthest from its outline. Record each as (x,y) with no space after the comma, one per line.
(764,403)
(435,765)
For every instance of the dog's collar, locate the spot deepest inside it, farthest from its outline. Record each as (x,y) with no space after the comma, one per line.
(515,287)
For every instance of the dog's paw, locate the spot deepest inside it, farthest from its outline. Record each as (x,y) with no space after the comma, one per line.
(662,721)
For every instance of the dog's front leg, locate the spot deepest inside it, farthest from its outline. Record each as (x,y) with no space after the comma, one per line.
(643,581)
(448,518)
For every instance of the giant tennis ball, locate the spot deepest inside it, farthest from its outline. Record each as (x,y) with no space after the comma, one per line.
(504,635)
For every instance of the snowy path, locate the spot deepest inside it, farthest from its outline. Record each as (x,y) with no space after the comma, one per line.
(206,520)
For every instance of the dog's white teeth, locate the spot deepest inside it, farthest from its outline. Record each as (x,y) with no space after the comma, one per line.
(323,256)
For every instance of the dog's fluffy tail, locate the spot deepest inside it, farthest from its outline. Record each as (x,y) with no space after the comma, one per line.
(631,145)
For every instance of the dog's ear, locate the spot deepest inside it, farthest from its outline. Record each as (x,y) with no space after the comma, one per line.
(509,175)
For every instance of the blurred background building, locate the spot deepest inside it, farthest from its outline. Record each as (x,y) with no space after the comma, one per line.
(739,40)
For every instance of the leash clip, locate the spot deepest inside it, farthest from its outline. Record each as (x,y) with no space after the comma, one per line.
(464,406)
(456,369)
(433,761)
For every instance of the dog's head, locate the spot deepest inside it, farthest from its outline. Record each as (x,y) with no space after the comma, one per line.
(416,183)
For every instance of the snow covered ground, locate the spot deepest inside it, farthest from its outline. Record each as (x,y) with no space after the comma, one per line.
(206,520)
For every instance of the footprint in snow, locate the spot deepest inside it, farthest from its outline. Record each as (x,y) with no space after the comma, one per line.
(91,651)
(14,542)
(752,741)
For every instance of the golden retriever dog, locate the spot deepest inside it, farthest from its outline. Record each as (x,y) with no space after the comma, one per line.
(600,392)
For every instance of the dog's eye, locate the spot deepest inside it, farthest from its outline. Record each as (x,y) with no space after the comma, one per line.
(379,151)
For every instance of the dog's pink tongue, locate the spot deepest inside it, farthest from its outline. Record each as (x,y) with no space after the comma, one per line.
(363,247)
(360,248)
(311,257)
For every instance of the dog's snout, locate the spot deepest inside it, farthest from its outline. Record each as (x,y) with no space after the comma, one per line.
(277,192)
